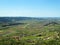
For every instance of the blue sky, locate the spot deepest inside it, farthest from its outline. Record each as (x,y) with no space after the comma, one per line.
(30,8)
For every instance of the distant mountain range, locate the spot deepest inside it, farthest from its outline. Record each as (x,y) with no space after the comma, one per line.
(11,19)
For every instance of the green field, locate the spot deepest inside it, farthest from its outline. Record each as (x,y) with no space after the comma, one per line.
(33,31)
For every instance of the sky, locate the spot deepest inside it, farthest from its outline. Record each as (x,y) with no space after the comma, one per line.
(30,8)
